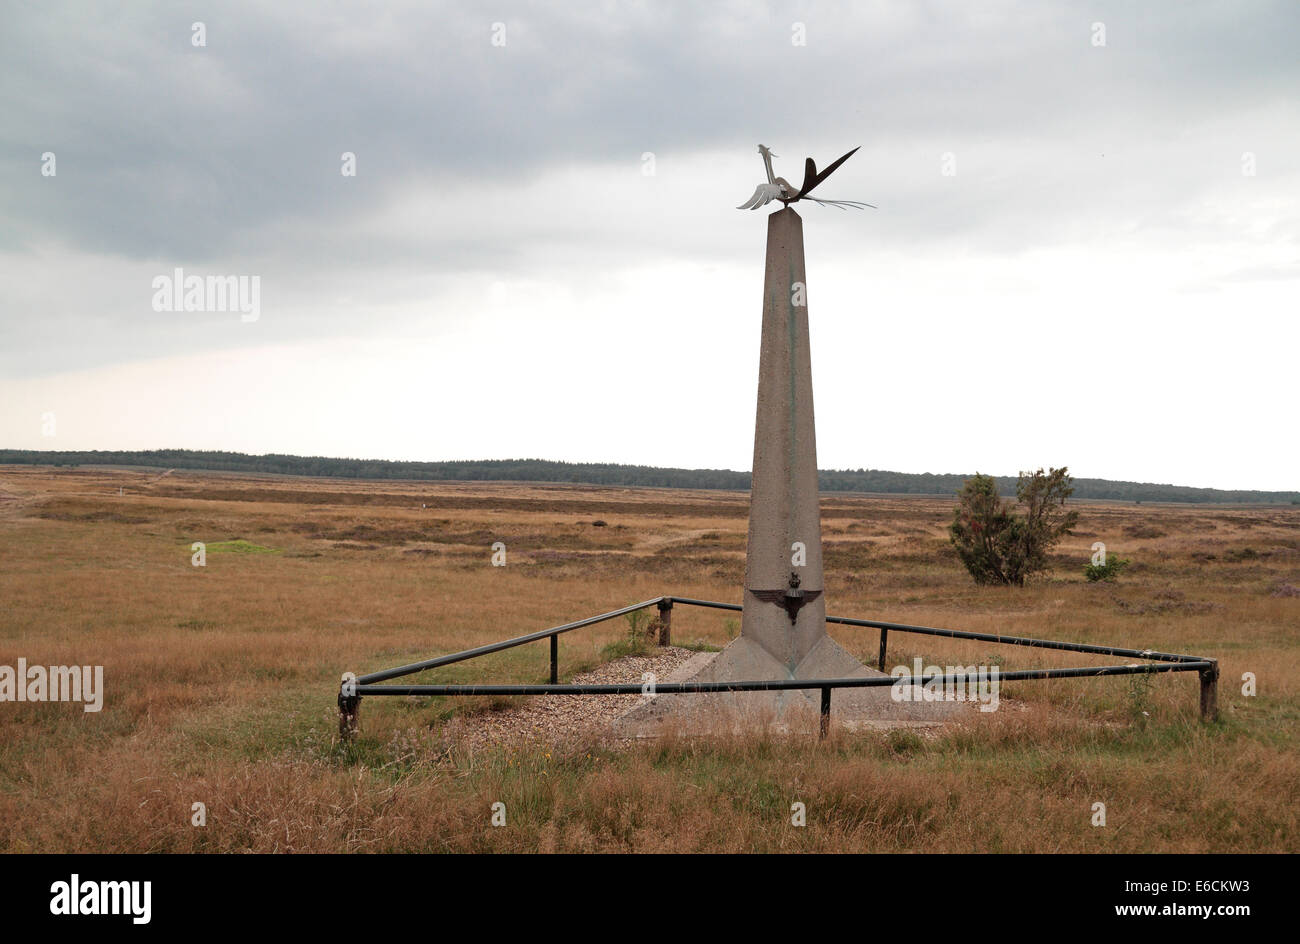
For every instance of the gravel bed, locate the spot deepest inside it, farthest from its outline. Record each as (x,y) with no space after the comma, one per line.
(556,718)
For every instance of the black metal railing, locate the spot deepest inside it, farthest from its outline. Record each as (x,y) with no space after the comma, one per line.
(354,688)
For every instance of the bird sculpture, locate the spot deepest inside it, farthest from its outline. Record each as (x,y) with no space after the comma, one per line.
(778,188)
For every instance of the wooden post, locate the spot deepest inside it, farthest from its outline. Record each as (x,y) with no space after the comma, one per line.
(1210,693)
(349,708)
(666,621)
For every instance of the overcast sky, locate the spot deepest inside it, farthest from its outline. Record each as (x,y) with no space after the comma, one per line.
(1086,252)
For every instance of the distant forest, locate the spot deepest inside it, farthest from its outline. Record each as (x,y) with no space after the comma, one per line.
(541,470)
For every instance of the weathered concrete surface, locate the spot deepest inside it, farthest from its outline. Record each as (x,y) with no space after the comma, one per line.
(796,712)
(783,509)
(783,506)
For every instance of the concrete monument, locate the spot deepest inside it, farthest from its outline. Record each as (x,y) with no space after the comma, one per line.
(783,621)
(783,625)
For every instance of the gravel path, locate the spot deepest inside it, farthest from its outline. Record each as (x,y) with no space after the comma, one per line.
(554,718)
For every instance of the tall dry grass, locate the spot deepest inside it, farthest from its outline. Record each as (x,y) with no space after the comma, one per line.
(220,680)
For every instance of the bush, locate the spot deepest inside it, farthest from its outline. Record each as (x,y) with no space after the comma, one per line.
(999,544)
(1107,571)
(642,632)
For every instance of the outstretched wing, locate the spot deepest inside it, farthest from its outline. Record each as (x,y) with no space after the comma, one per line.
(810,176)
(763,195)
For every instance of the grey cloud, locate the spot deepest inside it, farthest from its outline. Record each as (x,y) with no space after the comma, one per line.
(229,155)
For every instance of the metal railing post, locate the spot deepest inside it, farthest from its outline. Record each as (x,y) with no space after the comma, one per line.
(884,635)
(666,621)
(826,712)
(1210,692)
(349,707)
(555,658)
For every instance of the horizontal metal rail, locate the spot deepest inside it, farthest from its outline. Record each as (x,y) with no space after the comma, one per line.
(985,637)
(414,667)
(462,656)
(692,688)
(354,688)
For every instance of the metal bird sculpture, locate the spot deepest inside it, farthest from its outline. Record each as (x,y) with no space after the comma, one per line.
(778,188)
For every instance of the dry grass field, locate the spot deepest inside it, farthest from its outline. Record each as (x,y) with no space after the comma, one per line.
(220,681)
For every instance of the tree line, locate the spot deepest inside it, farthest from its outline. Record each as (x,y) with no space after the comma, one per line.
(543,470)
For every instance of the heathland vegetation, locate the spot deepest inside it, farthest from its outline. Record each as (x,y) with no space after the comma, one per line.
(220,680)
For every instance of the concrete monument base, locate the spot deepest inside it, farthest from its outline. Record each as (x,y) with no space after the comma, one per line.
(793,712)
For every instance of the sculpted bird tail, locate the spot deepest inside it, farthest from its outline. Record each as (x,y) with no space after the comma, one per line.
(810,176)
(842,204)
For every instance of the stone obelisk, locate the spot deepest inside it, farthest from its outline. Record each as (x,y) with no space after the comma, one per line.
(784,604)
(783,623)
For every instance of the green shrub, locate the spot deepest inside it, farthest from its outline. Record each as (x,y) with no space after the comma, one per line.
(642,633)
(1107,571)
(1001,543)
